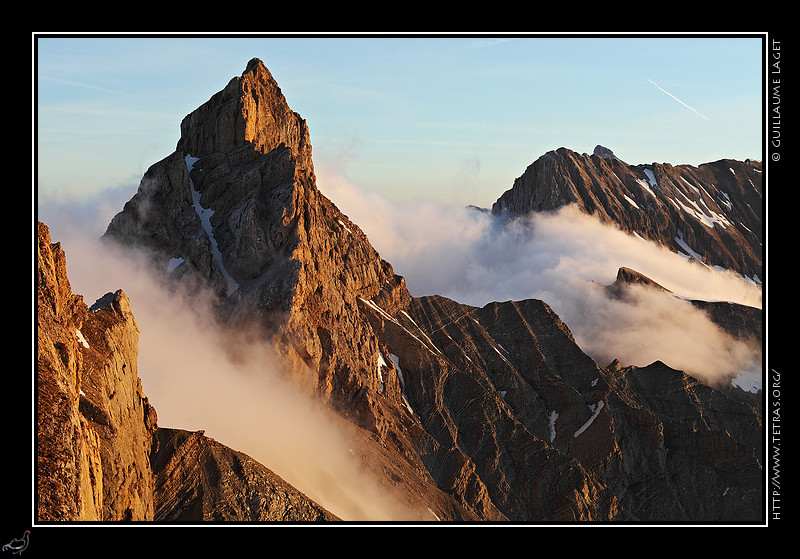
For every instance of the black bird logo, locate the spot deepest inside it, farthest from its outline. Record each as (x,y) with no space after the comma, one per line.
(18,545)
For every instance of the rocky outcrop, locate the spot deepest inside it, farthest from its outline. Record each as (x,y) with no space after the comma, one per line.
(554,436)
(200,479)
(627,277)
(605,153)
(712,212)
(489,413)
(94,423)
(685,450)
(740,321)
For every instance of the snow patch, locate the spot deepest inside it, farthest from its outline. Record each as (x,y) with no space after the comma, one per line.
(396,360)
(703,214)
(646,187)
(421,331)
(174,263)
(81,339)
(748,382)
(497,347)
(381,364)
(387,316)
(631,202)
(650,177)
(596,411)
(689,252)
(205,219)
(345,226)
(553,416)
(755,280)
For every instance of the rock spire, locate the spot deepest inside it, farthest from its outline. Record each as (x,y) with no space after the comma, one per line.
(250,109)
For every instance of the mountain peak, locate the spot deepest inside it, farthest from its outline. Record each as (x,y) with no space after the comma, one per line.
(627,276)
(255,65)
(604,152)
(250,109)
(237,205)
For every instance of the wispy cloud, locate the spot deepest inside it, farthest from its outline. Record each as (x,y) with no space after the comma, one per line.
(489,42)
(85,86)
(698,113)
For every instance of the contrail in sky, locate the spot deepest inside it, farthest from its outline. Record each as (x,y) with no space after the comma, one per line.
(87,86)
(678,100)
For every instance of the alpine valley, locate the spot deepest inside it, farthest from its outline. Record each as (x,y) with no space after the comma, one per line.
(449,411)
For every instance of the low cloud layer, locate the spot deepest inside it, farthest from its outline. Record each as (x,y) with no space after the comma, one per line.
(565,259)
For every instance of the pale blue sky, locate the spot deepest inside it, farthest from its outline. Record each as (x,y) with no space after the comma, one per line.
(445,118)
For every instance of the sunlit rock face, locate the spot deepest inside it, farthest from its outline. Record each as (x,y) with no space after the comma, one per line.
(94,423)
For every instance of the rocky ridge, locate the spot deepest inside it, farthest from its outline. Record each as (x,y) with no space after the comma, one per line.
(489,413)
(200,479)
(712,212)
(94,423)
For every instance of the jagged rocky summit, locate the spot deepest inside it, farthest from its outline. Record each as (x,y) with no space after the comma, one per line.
(478,414)
(712,213)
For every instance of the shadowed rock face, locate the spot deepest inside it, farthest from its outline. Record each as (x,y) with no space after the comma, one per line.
(485,383)
(712,212)
(740,321)
(693,452)
(200,479)
(488,413)
(518,396)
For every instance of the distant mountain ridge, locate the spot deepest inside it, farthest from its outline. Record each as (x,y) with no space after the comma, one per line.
(712,213)
(471,414)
